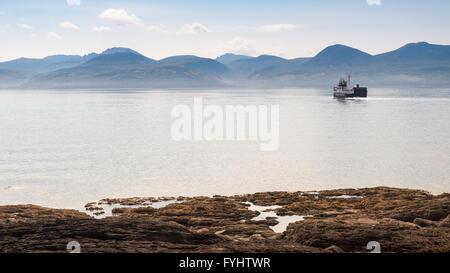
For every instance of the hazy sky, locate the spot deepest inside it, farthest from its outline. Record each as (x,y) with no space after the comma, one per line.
(208,28)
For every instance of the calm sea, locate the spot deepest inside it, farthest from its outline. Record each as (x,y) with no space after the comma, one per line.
(66,148)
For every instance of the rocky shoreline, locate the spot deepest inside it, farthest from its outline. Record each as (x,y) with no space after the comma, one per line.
(345,220)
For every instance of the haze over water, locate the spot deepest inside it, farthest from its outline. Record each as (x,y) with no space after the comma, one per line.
(67,148)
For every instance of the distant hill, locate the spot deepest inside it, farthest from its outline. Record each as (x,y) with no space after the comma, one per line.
(119,59)
(55,62)
(338,56)
(246,67)
(124,69)
(115,50)
(418,51)
(46,64)
(278,67)
(416,58)
(205,66)
(230,57)
(416,64)
(330,63)
(12,78)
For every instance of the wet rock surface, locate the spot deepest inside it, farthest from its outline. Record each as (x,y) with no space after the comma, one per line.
(344,220)
(28,213)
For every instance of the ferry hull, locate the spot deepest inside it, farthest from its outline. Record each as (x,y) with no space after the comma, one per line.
(358,92)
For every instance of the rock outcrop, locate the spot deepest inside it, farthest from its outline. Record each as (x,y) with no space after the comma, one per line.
(346,220)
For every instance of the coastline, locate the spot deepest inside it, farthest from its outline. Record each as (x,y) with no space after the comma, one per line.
(343,220)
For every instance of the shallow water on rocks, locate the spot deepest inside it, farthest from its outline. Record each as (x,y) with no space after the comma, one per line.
(107,209)
(268,211)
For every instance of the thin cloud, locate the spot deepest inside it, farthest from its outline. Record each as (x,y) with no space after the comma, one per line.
(239,45)
(373,2)
(68,25)
(24,26)
(120,17)
(101,29)
(73,2)
(158,29)
(278,27)
(53,36)
(194,28)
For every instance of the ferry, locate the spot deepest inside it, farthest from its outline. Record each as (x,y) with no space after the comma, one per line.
(343,91)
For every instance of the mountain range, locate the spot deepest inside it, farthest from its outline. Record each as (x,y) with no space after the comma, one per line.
(415,64)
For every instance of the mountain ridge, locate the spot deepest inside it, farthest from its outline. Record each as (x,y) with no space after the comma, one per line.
(228,58)
(414,63)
